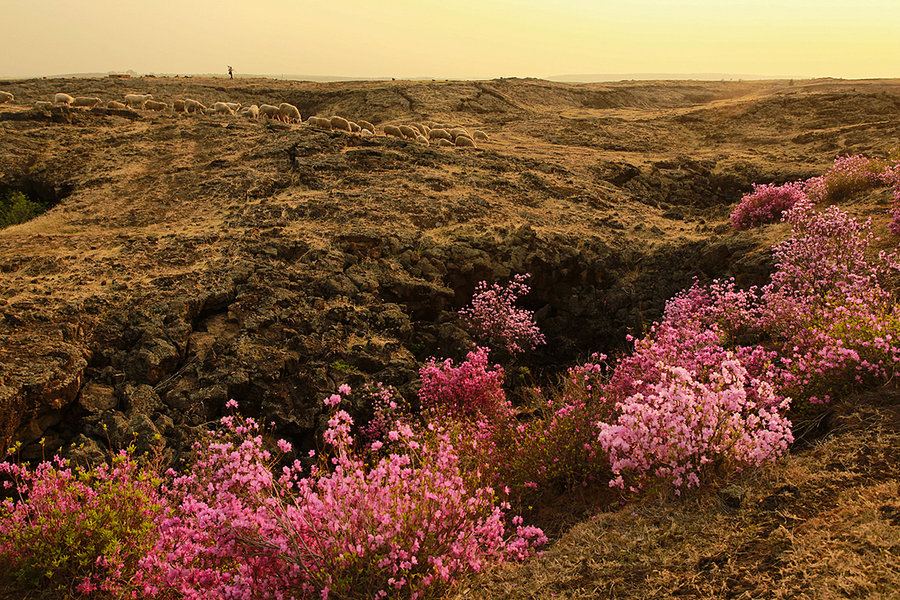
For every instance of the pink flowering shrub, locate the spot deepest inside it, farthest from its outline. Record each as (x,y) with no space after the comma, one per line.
(848,175)
(76,530)
(473,389)
(494,318)
(828,307)
(680,427)
(403,525)
(766,204)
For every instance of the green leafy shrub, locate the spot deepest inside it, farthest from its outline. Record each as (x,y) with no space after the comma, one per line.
(16,207)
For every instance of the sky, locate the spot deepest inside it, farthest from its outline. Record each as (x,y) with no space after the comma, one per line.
(457,39)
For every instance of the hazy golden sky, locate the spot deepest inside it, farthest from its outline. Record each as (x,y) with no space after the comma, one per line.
(453,38)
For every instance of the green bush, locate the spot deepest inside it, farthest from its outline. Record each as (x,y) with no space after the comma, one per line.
(16,207)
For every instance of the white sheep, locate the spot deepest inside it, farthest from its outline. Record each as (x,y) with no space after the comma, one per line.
(63,99)
(137,99)
(479,135)
(192,106)
(444,142)
(221,108)
(439,134)
(319,123)
(366,125)
(366,133)
(251,112)
(235,106)
(354,127)
(155,105)
(458,131)
(422,139)
(340,123)
(393,130)
(85,102)
(42,104)
(408,132)
(115,105)
(289,113)
(269,111)
(6,97)
(464,140)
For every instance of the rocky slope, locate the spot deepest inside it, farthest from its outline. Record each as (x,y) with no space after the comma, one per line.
(189,259)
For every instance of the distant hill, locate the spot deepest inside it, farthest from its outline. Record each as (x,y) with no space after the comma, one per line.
(599,77)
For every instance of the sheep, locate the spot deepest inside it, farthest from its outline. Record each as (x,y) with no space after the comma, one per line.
(408,132)
(444,142)
(393,130)
(251,112)
(422,139)
(366,133)
(63,99)
(458,131)
(464,140)
(220,108)
(155,105)
(6,97)
(139,99)
(479,135)
(235,106)
(192,106)
(289,113)
(115,105)
(178,106)
(354,127)
(366,125)
(319,123)
(42,104)
(269,111)
(85,102)
(439,134)
(340,123)
(419,127)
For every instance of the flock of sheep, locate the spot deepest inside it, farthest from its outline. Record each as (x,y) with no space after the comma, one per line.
(425,133)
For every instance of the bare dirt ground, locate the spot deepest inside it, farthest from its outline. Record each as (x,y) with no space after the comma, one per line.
(191,259)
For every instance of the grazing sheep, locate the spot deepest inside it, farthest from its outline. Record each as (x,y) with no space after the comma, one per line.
(458,131)
(354,127)
(138,99)
(84,102)
(420,128)
(220,108)
(393,130)
(464,140)
(155,105)
(366,133)
(6,97)
(340,123)
(269,111)
(251,112)
(178,106)
(439,134)
(42,104)
(366,125)
(115,105)
(235,106)
(63,99)
(289,113)
(422,139)
(408,132)
(479,135)
(319,123)
(192,106)
(444,142)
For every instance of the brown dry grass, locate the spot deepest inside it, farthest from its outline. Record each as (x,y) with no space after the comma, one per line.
(822,523)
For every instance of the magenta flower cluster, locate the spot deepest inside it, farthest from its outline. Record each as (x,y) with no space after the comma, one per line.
(494,318)
(765,204)
(846,176)
(472,389)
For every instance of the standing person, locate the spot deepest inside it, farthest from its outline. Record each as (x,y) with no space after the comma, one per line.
(230,72)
